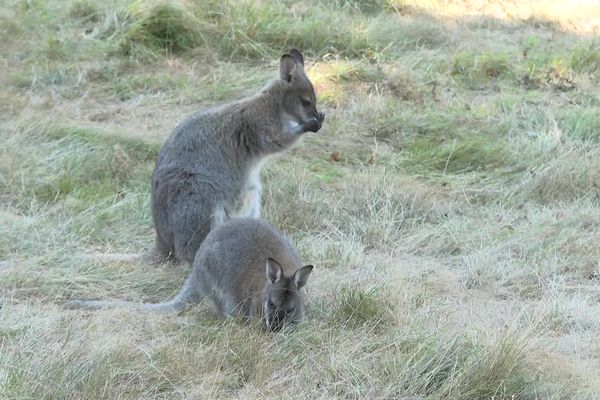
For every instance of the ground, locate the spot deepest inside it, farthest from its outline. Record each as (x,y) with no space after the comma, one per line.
(449,204)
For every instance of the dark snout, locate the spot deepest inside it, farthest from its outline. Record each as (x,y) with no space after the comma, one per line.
(314,124)
(276,321)
(280,320)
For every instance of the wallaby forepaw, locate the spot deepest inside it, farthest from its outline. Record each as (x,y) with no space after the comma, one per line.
(314,124)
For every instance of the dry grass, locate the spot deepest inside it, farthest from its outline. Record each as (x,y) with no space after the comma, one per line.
(450,204)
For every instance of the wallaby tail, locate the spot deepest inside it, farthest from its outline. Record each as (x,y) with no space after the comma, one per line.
(187,297)
(151,257)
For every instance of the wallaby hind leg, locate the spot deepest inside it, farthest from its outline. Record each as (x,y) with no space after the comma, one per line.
(188,240)
(191,232)
(192,219)
(161,253)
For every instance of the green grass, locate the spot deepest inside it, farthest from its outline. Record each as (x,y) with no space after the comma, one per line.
(478,69)
(165,27)
(582,123)
(87,165)
(477,153)
(358,307)
(240,30)
(449,204)
(84,11)
(586,57)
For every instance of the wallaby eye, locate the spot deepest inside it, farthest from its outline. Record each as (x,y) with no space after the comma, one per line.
(270,304)
(305,102)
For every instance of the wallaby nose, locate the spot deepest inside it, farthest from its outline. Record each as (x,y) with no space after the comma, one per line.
(275,326)
(277,321)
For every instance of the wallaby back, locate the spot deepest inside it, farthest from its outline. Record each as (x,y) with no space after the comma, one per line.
(209,168)
(246,268)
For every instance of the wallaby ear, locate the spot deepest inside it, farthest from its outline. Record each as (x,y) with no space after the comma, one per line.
(301,276)
(297,56)
(287,66)
(273,270)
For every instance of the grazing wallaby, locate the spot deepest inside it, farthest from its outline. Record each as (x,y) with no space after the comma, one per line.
(246,268)
(209,168)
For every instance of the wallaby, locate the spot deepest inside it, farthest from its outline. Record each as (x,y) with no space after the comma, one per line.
(209,168)
(246,268)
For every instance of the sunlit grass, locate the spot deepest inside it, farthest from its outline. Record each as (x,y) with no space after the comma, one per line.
(449,204)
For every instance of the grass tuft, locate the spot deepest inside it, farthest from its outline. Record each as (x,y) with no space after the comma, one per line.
(85,10)
(85,164)
(459,369)
(362,6)
(480,68)
(582,123)
(164,28)
(355,306)
(586,57)
(461,154)
(334,80)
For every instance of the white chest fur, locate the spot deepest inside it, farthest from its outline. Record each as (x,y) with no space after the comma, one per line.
(250,205)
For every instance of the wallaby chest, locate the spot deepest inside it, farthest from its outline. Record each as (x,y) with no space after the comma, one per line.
(248,204)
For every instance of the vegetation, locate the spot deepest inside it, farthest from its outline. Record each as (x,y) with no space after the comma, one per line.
(450,203)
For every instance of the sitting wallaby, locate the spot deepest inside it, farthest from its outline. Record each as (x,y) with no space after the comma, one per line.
(246,268)
(209,168)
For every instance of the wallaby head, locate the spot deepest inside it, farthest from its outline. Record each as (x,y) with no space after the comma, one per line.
(284,302)
(299,100)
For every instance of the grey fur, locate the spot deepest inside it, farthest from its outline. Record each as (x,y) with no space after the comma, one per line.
(209,168)
(244,267)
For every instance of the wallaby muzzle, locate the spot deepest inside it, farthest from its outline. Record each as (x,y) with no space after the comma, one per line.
(279,321)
